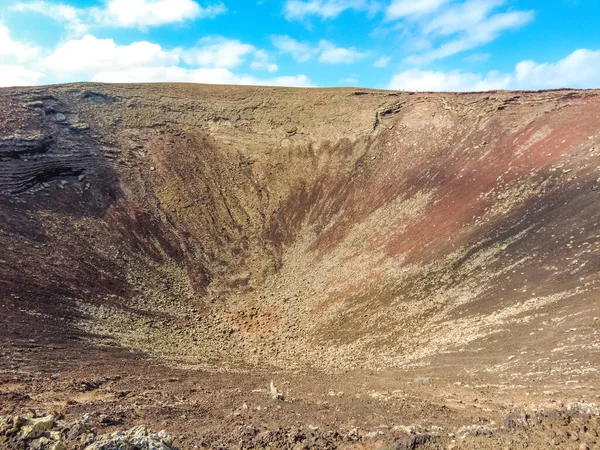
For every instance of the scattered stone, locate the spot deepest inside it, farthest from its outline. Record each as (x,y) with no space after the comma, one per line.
(35,104)
(109,420)
(411,442)
(591,409)
(353,435)
(90,385)
(373,434)
(60,117)
(48,433)
(137,438)
(474,430)
(81,126)
(275,394)
(34,428)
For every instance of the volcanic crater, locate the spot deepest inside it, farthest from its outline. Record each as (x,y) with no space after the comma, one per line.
(384,258)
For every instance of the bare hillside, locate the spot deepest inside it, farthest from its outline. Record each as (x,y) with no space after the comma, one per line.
(370,250)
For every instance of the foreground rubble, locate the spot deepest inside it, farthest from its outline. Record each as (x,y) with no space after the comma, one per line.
(49,432)
(573,426)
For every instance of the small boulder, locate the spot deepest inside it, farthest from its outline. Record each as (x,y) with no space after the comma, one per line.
(59,445)
(138,438)
(81,126)
(35,428)
(275,394)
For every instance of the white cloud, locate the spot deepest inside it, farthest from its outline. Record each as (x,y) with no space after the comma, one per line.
(261,62)
(472,24)
(12,56)
(404,8)
(200,75)
(71,16)
(478,58)
(462,16)
(218,52)
(11,50)
(90,58)
(13,75)
(147,13)
(330,54)
(326,51)
(325,9)
(122,13)
(227,53)
(382,62)
(290,81)
(90,54)
(419,80)
(445,27)
(300,51)
(580,69)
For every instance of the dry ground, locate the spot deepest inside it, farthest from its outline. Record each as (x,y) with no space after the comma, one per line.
(388,260)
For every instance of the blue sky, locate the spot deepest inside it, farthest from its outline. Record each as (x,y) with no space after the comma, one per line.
(448,45)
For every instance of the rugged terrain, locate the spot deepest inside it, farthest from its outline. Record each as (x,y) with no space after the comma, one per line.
(388,259)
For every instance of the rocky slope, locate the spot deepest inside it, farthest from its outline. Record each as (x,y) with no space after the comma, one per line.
(246,228)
